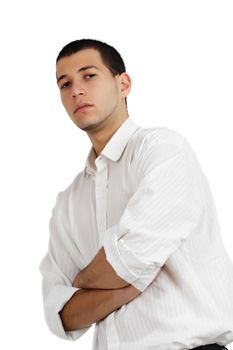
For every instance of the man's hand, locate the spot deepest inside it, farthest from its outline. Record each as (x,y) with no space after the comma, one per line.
(99,274)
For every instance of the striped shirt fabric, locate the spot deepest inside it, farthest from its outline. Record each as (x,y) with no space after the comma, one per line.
(146,200)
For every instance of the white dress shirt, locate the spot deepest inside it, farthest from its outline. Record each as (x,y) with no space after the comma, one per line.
(146,200)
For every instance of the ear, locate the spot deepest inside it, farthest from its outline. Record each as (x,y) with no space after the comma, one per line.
(125,84)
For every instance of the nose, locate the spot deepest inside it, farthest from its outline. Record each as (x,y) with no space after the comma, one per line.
(77,90)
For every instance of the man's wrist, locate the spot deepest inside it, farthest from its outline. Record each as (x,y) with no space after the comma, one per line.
(78,282)
(85,279)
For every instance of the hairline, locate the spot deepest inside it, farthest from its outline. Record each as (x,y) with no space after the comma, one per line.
(90,48)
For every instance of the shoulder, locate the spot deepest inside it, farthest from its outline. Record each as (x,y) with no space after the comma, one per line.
(162,135)
(157,140)
(63,197)
(162,146)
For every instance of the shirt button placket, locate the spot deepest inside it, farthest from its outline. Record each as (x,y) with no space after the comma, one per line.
(101,196)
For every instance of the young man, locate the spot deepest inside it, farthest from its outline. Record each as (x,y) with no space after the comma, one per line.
(135,244)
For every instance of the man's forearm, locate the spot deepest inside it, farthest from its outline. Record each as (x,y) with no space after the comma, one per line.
(99,274)
(89,306)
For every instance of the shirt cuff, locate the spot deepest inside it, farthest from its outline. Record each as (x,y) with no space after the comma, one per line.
(55,301)
(126,264)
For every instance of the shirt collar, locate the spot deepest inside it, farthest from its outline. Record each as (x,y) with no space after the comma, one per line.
(115,146)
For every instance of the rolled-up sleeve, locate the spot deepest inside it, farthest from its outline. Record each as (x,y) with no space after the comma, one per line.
(58,270)
(163,210)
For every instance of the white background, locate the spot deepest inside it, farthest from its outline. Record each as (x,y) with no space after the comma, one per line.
(179,55)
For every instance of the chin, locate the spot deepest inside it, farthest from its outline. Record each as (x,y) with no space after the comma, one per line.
(91,125)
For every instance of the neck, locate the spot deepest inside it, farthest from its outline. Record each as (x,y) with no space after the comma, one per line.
(100,137)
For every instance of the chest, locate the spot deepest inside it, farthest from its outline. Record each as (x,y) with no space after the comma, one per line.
(98,202)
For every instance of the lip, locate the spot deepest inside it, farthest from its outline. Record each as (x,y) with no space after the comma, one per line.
(82,107)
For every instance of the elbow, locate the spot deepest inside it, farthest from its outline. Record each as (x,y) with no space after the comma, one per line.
(65,320)
(60,323)
(58,314)
(71,321)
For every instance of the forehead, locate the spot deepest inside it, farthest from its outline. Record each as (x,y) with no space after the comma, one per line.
(85,57)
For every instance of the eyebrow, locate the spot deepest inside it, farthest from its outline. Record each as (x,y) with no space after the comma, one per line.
(80,70)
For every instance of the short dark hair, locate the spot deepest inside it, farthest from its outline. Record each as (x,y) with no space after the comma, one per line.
(110,56)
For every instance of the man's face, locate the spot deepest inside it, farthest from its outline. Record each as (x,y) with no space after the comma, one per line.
(89,92)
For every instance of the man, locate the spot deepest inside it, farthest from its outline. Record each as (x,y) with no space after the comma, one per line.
(135,244)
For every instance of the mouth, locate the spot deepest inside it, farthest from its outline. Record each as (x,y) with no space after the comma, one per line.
(82,107)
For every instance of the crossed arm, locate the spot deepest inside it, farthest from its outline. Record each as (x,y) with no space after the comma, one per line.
(103,292)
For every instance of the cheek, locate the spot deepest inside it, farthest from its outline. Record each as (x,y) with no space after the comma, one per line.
(110,95)
(65,101)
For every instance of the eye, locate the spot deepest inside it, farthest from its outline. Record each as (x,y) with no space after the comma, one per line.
(89,76)
(65,85)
